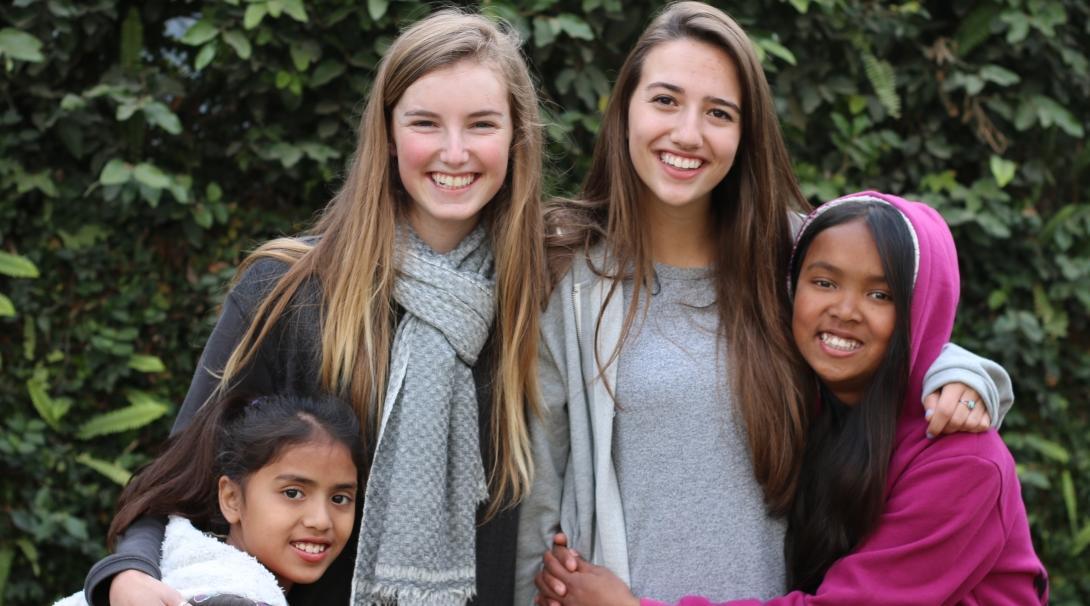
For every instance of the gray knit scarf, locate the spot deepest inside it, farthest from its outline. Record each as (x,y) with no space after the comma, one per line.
(417,537)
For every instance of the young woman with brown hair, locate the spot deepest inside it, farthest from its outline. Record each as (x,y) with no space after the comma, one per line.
(415,298)
(673,417)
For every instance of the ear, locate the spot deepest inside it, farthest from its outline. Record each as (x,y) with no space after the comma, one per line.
(230,496)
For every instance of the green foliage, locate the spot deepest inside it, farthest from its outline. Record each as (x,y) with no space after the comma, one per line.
(148,145)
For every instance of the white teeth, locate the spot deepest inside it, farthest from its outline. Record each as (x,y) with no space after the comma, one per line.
(310,547)
(840,343)
(452,181)
(679,162)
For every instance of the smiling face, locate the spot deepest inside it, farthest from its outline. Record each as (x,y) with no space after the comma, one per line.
(296,513)
(452,132)
(684,122)
(844,315)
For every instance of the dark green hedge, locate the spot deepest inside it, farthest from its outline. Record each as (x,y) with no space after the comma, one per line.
(146,145)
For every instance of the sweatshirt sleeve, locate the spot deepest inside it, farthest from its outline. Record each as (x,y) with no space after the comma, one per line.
(926,549)
(139,547)
(958,365)
(539,515)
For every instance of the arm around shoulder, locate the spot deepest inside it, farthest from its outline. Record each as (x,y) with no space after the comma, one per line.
(959,365)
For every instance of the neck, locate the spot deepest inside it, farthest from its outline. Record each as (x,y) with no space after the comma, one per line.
(441,236)
(681,236)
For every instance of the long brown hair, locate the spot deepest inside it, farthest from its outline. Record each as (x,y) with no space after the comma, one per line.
(354,257)
(750,209)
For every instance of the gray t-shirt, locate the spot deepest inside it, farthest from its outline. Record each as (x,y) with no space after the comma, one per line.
(694,514)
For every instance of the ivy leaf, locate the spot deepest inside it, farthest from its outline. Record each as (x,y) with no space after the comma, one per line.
(238,41)
(205,56)
(302,55)
(574,27)
(325,72)
(146,363)
(774,48)
(20,45)
(159,114)
(377,8)
(7,308)
(1050,112)
(1002,170)
(151,175)
(199,33)
(113,471)
(254,15)
(801,5)
(116,172)
(17,266)
(131,417)
(295,10)
(545,30)
(72,102)
(999,75)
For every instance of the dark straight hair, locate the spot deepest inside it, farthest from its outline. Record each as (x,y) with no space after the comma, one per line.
(842,481)
(234,437)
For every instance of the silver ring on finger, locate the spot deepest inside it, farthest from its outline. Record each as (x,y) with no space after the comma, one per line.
(970,404)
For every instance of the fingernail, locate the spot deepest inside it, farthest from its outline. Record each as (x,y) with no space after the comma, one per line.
(930,436)
(927,414)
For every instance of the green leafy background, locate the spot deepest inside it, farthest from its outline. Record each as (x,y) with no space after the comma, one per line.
(147,145)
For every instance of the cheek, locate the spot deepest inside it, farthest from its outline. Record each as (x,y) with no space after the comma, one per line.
(494,153)
(413,151)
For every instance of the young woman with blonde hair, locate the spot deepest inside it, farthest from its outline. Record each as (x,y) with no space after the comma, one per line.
(416,299)
(673,418)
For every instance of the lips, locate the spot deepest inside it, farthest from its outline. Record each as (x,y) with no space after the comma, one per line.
(453,181)
(837,343)
(310,550)
(680,162)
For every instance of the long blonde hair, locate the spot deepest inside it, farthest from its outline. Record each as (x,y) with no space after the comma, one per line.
(750,209)
(354,257)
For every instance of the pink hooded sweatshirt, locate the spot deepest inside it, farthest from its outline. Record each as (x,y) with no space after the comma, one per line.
(954,528)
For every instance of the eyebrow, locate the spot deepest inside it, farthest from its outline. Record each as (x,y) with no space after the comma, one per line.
(714,100)
(305,481)
(829,267)
(430,114)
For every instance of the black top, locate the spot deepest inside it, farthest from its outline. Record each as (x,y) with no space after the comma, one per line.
(288,361)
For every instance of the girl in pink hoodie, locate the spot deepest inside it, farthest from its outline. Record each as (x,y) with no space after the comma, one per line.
(882,514)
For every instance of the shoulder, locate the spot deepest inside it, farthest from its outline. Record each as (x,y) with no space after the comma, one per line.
(260,275)
(966,471)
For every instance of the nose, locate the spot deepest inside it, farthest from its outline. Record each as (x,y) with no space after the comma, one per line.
(317,516)
(686,133)
(846,307)
(454,150)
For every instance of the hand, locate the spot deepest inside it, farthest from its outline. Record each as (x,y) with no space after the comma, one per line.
(591,585)
(550,588)
(948,411)
(135,588)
